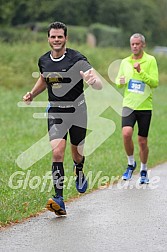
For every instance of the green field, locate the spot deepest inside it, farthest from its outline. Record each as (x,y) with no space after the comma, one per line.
(24,191)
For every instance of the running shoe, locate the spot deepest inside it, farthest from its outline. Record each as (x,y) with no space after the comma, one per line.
(144,177)
(129,171)
(56,205)
(81,182)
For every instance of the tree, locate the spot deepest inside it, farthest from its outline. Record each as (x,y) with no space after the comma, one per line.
(148,17)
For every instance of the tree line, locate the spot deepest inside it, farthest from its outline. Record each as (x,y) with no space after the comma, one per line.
(148,17)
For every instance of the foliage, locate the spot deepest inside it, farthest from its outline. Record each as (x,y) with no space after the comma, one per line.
(148,17)
(106,35)
(24,35)
(77,34)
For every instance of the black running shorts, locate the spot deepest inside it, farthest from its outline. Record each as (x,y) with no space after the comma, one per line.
(62,121)
(142,117)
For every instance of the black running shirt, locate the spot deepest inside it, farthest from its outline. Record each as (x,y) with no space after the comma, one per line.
(62,75)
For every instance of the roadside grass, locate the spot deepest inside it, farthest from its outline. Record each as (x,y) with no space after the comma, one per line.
(20,130)
(24,192)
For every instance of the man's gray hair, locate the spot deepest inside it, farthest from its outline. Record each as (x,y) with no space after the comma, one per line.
(138,35)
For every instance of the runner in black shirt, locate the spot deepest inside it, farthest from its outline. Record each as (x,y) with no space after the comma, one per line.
(62,73)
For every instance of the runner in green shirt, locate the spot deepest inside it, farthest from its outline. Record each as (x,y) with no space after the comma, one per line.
(138,74)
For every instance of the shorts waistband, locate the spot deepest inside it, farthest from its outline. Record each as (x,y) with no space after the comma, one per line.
(66,104)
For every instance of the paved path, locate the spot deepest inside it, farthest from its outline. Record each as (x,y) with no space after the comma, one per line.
(128,218)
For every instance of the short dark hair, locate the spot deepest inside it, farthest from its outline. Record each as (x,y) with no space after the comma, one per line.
(57,25)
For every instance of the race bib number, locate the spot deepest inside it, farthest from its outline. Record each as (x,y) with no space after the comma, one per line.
(136,86)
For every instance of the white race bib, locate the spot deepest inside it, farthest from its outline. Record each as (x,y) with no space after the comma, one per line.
(136,86)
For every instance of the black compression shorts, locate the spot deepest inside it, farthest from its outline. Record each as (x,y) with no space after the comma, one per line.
(142,117)
(64,120)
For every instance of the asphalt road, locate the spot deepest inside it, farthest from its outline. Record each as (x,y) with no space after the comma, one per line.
(125,217)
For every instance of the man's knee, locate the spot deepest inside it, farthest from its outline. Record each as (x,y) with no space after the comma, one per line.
(142,142)
(127,133)
(58,154)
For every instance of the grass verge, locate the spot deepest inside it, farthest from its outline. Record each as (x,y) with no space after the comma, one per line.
(24,192)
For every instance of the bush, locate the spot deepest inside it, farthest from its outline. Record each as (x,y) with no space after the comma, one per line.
(77,34)
(38,31)
(106,35)
(25,35)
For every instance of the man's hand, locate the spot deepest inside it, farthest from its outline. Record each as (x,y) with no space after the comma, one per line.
(27,98)
(137,67)
(88,77)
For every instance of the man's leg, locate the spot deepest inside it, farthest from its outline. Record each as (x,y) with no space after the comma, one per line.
(77,138)
(127,133)
(56,204)
(143,149)
(78,158)
(58,150)
(143,153)
(77,153)
(144,119)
